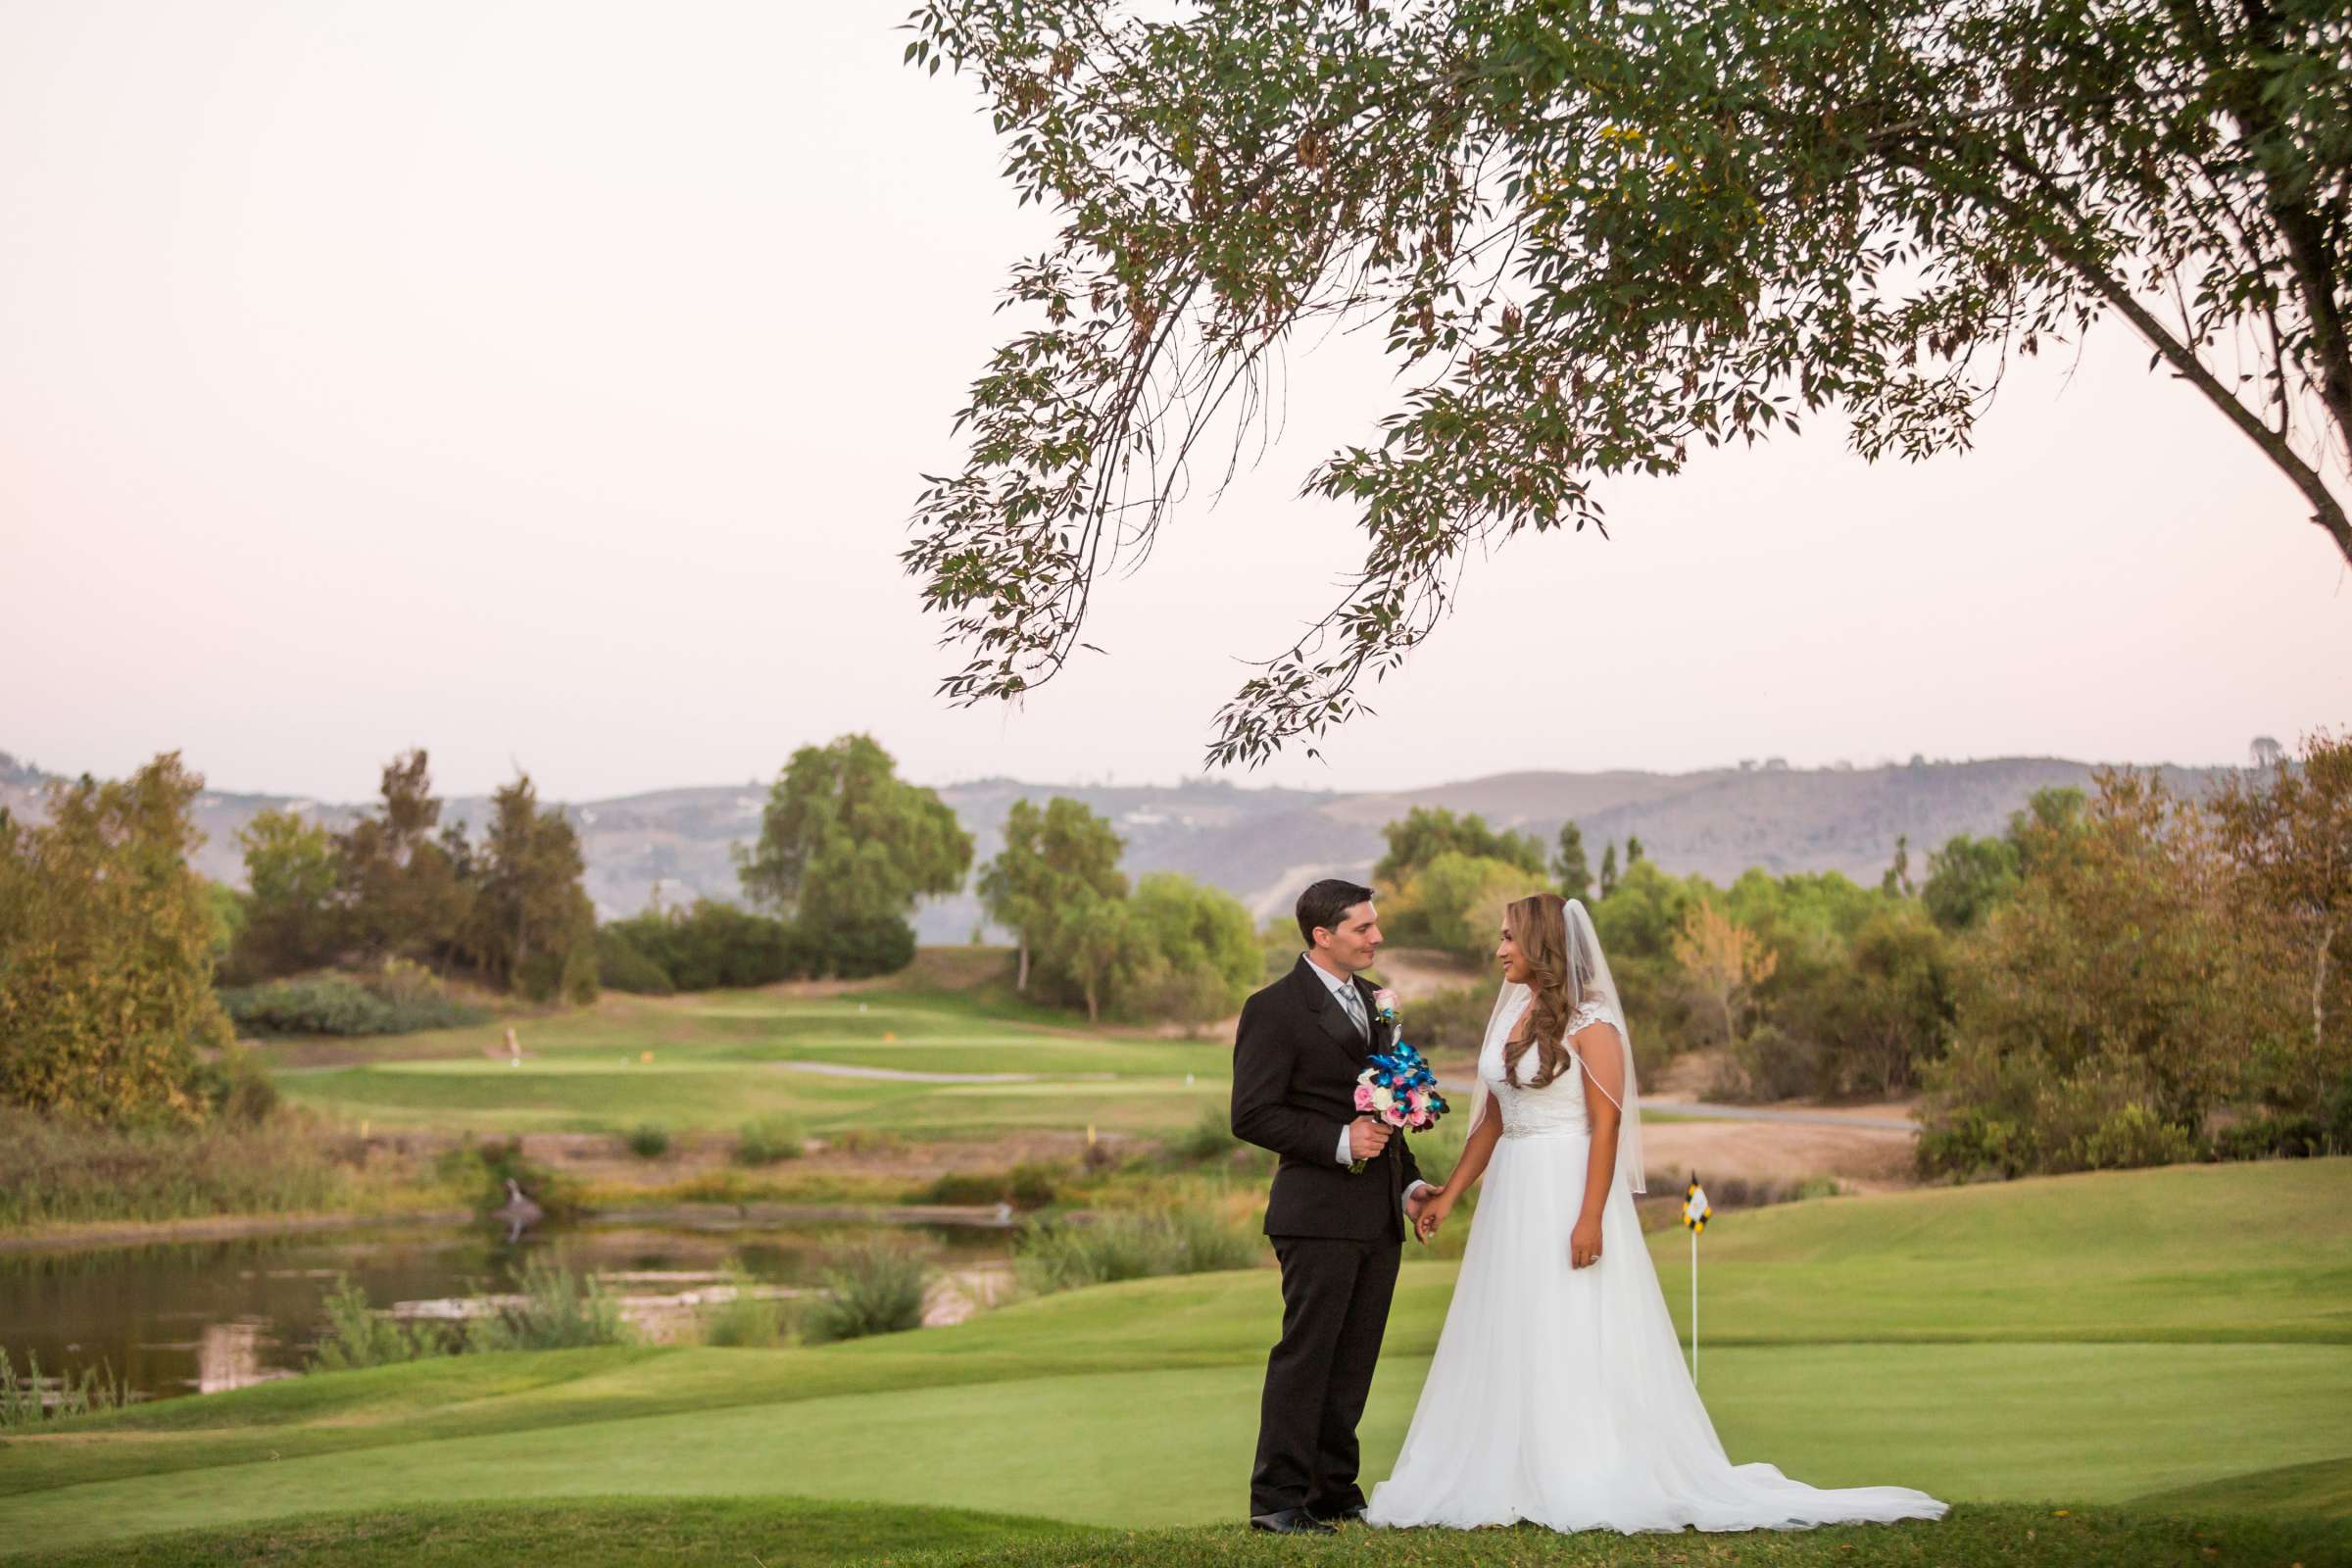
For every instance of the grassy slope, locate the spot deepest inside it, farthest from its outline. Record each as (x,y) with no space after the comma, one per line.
(2189,1348)
(720,1058)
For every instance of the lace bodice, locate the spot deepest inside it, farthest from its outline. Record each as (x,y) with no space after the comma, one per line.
(1559,1106)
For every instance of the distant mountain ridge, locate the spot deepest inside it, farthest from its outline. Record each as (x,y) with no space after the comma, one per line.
(1262,845)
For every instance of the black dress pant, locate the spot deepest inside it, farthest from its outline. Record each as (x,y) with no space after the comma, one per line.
(1335,1308)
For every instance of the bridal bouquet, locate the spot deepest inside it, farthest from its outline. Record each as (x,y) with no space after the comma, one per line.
(1398,1087)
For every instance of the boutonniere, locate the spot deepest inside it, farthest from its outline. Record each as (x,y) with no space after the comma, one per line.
(1384,1007)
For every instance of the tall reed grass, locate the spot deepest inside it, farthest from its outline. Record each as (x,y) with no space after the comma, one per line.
(874,1287)
(745,1321)
(359,1336)
(30,1399)
(555,1311)
(1116,1247)
(56,1172)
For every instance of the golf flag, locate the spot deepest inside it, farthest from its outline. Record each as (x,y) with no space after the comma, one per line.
(1697,1211)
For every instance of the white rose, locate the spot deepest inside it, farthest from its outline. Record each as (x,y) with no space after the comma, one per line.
(1382,1099)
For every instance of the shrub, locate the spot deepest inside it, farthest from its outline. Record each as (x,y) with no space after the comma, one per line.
(1035,1184)
(358,1336)
(1209,1138)
(1770,1065)
(1450,1021)
(1975,1143)
(1127,1247)
(2337,1116)
(236,1087)
(767,1140)
(555,1311)
(854,949)
(487,1167)
(2271,1136)
(400,999)
(646,1141)
(623,966)
(705,947)
(2133,1136)
(872,1288)
(745,1321)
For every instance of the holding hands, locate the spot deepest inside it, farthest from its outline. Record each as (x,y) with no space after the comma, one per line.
(1429,1207)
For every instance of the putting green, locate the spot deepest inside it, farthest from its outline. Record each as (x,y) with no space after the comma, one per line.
(714,1061)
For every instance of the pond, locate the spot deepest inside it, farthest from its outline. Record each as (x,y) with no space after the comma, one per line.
(198,1317)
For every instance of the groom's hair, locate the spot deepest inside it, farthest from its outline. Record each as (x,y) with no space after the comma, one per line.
(1325,902)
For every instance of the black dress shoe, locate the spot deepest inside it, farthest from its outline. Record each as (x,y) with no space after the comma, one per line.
(1291,1522)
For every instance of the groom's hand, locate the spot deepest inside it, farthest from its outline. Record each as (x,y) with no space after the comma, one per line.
(1367,1135)
(1427,1206)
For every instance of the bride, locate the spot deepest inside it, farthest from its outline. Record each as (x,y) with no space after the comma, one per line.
(1559,1393)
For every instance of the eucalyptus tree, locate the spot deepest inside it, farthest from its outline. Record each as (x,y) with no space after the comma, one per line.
(1599,233)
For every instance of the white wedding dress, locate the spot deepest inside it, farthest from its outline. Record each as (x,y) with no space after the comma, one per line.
(1560,1395)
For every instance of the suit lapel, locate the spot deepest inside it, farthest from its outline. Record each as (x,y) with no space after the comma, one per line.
(1382,1037)
(1330,1014)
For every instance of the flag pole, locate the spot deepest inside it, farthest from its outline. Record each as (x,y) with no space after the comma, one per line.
(1696,1213)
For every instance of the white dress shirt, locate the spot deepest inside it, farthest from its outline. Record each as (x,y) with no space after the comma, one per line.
(1343,991)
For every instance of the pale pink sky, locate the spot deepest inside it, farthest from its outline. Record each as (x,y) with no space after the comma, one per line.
(549,382)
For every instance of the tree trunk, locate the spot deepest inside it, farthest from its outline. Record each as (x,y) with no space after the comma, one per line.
(1021,984)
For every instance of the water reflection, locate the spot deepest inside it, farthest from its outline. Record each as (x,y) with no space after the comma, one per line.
(230,1356)
(201,1317)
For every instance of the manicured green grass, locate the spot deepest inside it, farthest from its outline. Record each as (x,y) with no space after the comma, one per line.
(2322,1488)
(786,1533)
(1134,1405)
(2191,1253)
(1972,1537)
(588,1533)
(716,1060)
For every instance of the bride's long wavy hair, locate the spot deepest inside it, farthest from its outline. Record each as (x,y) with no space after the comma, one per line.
(1539,927)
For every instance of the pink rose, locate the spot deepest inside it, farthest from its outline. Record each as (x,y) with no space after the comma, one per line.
(1363,1096)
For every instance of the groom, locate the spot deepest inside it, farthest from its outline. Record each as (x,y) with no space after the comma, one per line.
(1336,1232)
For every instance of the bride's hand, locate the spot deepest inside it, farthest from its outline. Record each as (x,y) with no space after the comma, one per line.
(1433,1210)
(1584,1244)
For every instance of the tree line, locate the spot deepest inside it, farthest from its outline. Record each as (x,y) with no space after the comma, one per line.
(2121,977)
(400,883)
(846,848)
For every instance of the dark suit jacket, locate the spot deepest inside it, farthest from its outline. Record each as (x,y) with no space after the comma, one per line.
(1295,1062)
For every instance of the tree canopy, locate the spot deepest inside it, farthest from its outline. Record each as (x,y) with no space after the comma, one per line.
(1048,859)
(105,970)
(1428,831)
(533,928)
(1569,865)
(844,839)
(1599,233)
